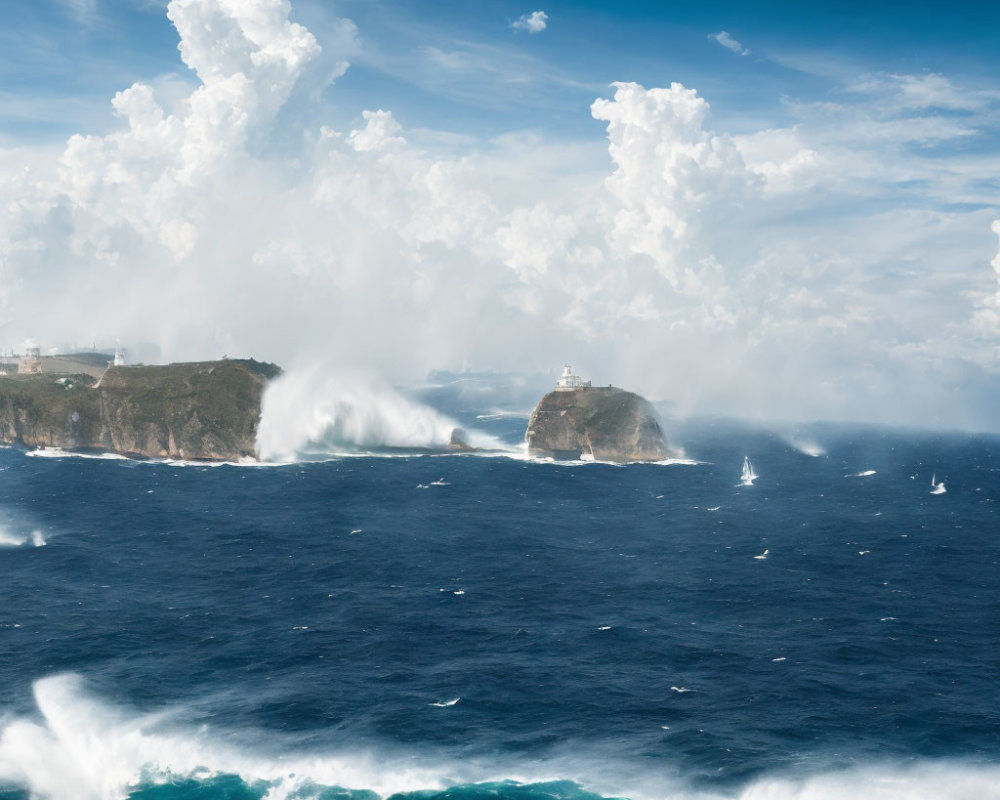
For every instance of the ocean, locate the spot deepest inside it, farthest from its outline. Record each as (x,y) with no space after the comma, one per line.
(483,627)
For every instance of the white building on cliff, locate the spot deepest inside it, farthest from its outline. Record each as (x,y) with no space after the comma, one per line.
(568,381)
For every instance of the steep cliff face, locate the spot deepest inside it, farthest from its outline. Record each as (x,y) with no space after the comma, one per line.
(609,424)
(205,410)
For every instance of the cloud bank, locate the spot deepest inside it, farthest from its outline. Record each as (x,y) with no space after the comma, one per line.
(827,269)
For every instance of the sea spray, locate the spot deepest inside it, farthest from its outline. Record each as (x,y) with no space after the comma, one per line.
(16,531)
(314,410)
(83,748)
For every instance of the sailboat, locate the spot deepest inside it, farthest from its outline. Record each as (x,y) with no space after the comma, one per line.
(937,488)
(748,476)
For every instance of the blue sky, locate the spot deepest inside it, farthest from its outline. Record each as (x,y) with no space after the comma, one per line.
(63,59)
(796,199)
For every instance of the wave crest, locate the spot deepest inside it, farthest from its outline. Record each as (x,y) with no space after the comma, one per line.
(82,748)
(316,411)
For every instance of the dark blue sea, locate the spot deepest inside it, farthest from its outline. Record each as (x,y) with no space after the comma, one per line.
(473,627)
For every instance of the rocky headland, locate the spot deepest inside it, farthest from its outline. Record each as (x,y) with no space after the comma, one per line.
(206,410)
(603,423)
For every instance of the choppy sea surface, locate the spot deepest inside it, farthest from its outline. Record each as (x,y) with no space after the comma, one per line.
(470,628)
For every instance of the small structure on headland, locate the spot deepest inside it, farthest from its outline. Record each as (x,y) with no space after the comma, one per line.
(578,421)
(568,381)
(31,361)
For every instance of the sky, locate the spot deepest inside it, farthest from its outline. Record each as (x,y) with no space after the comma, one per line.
(773,210)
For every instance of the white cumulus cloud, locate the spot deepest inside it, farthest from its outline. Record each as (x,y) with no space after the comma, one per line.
(535,22)
(780,272)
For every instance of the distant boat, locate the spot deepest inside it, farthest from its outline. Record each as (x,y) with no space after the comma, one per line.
(937,488)
(748,476)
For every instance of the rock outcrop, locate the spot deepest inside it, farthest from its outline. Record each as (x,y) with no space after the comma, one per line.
(200,411)
(605,424)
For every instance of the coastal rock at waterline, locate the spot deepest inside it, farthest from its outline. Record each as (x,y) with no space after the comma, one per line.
(459,442)
(603,423)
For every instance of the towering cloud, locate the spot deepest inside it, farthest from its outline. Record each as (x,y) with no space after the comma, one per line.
(768,273)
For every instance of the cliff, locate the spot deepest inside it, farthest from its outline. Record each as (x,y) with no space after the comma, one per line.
(205,410)
(606,423)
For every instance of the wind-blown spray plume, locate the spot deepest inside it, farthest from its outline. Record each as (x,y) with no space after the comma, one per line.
(17,532)
(85,749)
(313,410)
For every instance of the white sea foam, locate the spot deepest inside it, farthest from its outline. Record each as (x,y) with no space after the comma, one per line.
(58,452)
(83,749)
(667,462)
(864,474)
(80,748)
(922,781)
(315,410)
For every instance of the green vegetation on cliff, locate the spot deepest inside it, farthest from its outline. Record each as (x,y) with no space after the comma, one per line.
(203,410)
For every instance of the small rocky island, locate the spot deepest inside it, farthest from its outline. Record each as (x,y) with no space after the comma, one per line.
(206,410)
(578,420)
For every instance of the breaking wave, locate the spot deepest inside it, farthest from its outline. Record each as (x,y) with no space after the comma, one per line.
(313,411)
(78,747)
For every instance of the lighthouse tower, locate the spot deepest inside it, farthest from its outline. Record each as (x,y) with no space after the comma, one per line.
(568,381)
(119,355)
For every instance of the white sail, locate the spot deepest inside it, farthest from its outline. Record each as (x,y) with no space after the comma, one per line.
(937,488)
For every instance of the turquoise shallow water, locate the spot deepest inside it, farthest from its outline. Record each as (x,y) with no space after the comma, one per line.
(488,627)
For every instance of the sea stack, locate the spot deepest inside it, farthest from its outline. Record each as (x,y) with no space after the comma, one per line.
(603,423)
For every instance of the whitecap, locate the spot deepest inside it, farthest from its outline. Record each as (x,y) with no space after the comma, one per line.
(77,746)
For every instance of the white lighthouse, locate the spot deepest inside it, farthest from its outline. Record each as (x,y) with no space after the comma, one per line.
(568,381)
(119,355)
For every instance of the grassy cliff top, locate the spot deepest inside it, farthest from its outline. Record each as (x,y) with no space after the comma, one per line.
(164,374)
